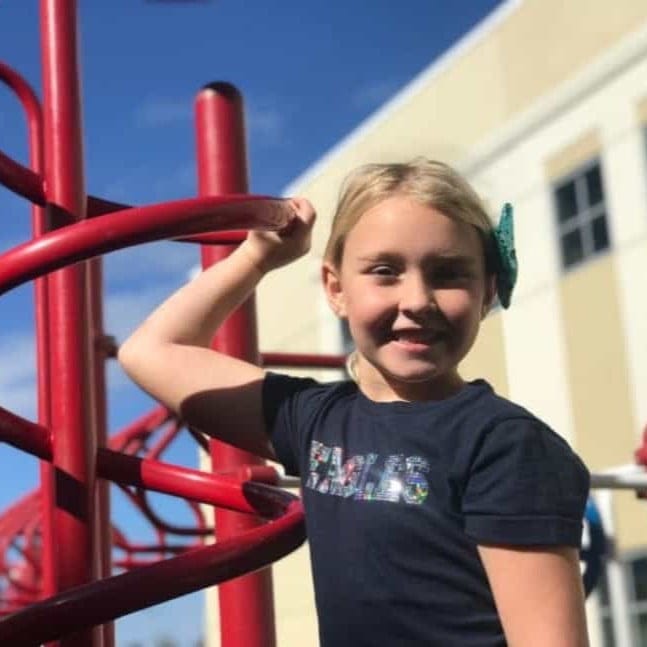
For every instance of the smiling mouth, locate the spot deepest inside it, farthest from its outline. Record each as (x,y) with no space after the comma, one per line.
(417,338)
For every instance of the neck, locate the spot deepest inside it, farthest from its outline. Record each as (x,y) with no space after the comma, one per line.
(383,388)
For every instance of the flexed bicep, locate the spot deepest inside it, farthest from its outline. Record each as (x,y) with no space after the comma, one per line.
(212,392)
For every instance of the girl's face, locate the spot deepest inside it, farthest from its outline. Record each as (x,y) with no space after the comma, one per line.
(413,287)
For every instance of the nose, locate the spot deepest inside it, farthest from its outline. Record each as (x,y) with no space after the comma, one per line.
(417,296)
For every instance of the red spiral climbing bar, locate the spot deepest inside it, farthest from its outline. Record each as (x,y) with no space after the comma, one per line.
(56,543)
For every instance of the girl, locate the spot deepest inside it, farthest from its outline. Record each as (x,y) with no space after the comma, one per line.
(438,513)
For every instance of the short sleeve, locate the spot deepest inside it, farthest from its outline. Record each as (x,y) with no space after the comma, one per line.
(525,487)
(281,412)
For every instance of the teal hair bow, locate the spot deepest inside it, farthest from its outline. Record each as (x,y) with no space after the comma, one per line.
(507,266)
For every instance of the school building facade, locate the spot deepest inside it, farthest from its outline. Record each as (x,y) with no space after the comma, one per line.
(544,105)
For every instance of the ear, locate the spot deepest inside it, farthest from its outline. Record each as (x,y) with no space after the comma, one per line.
(490,294)
(332,285)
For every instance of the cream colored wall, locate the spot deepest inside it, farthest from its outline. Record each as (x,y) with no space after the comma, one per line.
(487,357)
(596,364)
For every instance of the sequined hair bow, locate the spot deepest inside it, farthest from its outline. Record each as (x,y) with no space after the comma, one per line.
(506,257)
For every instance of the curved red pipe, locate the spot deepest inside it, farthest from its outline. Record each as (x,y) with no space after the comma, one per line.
(88,238)
(99,602)
(14,176)
(26,435)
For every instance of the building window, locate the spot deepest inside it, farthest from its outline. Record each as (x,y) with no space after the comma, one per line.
(637,583)
(581,215)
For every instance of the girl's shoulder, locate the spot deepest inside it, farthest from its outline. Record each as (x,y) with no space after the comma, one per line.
(501,426)
(302,395)
(494,410)
(281,385)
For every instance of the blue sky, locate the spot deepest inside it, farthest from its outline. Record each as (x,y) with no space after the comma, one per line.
(310,73)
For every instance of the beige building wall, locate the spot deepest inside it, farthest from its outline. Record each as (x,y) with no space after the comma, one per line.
(538,88)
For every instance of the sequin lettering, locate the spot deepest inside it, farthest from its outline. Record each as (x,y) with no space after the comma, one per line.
(395,479)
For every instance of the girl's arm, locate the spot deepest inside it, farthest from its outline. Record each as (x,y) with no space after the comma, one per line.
(538,594)
(169,355)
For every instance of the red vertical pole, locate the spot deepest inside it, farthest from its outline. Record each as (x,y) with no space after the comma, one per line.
(43,382)
(97,350)
(246,605)
(74,433)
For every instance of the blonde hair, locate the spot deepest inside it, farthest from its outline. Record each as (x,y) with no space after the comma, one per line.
(429,182)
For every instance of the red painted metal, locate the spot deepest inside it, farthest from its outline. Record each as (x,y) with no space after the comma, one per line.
(246,604)
(100,207)
(25,435)
(24,181)
(173,479)
(222,489)
(71,417)
(21,180)
(18,530)
(98,355)
(57,540)
(33,183)
(90,238)
(116,596)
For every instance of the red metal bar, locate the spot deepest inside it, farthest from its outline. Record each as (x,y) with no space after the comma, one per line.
(246,604)
(103,601)
(73,425)
(31,186)
(140,500)
(167,438)
(18,515)
(144,425)
(100,408)
(100,207)
(90,238)
(172,479)
(21,180)
(25,435)
(30,104)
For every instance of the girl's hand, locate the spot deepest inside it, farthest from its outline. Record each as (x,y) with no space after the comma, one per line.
(271,249)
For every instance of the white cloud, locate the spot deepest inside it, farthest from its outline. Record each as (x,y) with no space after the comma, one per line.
(181,182)
(151,263)
(140,185)
(266,124)
(373,94)
(156,112)
(20,399)
(125,310)
(18,375)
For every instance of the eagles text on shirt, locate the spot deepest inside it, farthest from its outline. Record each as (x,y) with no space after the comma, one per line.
(367,477)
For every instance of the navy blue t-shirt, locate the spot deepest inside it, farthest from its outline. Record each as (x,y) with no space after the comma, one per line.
(397,496)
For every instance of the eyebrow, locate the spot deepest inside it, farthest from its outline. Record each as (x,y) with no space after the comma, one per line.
(457,259)
(380,256)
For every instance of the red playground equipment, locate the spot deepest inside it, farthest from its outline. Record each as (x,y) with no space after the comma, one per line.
(57,544)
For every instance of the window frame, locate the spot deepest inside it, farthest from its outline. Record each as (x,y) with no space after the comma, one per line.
(636,607)
(585,215)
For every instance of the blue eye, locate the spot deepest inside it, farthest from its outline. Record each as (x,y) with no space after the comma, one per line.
(383,270)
